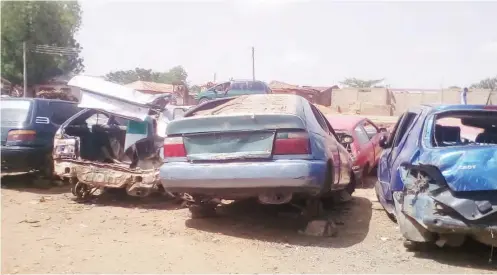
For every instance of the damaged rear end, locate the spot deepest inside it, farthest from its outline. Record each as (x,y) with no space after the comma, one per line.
(450,189)
(112,144)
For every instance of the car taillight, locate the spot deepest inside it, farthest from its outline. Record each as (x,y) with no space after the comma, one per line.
(490,107)
(21,135)
(174,147)
(291,143)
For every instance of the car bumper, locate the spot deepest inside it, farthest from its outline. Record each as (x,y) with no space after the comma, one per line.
(137,182)
(244,179)
(23,159)
(422,208)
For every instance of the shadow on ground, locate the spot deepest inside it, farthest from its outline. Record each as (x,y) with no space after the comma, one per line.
(472,254)
(281,224)
(32,183)
(119,198)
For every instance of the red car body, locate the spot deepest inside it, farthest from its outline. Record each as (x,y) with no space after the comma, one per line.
(365,149)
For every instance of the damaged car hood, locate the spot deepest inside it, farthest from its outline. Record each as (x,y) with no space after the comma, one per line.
(97,93)
(469,168)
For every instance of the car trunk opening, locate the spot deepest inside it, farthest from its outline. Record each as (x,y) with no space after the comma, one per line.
(103,150)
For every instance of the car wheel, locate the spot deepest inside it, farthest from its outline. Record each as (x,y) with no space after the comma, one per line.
(352,185)
(365,173)
(416,246)
(202,100)
(200,211)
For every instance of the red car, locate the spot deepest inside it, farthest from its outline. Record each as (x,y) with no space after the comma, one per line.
(365,149)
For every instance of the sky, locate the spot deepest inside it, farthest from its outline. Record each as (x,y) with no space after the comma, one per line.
(410,44)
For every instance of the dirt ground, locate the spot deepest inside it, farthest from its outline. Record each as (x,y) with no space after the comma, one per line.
(45,231)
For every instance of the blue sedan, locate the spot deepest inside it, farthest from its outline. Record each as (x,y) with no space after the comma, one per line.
(275,147)
(437,175)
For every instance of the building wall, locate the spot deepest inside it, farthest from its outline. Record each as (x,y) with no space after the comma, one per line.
(380,101)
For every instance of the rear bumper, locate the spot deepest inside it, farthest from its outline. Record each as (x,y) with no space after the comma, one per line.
(422,209)
(137,182)
(244,179)
(23,159)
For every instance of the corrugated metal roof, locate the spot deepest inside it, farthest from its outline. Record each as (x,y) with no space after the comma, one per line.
(151,86)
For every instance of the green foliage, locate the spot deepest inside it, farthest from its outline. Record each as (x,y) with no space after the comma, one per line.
(38,23)
(359,83)
(487,83)
(176,75)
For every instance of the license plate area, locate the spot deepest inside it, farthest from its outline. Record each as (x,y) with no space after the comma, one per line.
(229,145)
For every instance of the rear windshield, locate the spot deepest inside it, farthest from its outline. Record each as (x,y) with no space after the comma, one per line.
(465,128)
(15,111)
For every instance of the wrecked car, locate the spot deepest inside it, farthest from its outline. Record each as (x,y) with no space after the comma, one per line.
(365,149)
(276,148)
(437,176)
(114,142)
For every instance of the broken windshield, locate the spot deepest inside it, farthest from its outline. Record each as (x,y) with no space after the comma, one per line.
(465,128)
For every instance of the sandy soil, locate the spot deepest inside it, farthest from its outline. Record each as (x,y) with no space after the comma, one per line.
(45,231)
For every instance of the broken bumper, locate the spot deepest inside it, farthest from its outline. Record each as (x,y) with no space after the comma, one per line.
(244,179)
(442,219)
(137,182)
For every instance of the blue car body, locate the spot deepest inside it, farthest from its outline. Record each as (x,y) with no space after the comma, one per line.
(218,165)
(440,185)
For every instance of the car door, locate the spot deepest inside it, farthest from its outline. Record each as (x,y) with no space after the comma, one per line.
(394,146)
(373,133)
(341,163)
(365,152)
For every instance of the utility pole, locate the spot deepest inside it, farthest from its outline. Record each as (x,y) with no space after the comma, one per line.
(214,78)
(253,64)
(24,75)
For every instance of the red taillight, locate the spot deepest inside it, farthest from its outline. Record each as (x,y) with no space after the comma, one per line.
(291,143)
(21,135)
(174,147)
(490,107)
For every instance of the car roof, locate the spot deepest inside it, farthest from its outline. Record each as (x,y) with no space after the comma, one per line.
(344,122)
(257,104)
(433,108)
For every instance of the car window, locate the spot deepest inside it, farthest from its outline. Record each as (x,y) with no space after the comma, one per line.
(97,119)
(15,111)
(62,111)
(320,118)
(361,135)
(406,122)
(257,86)
(370,129)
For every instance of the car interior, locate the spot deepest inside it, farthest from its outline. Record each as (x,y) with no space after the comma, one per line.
(465,128)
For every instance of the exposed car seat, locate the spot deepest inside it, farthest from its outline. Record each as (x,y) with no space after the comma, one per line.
(488,136)
(447,135)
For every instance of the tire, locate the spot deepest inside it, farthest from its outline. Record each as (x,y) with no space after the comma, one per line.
(201,211)
(364,175)
(416,246)
(350,188)
(202,100)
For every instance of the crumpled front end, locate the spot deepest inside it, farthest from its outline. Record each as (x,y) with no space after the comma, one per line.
(429,210)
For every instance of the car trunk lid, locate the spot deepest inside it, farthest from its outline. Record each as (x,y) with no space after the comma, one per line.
(232,137)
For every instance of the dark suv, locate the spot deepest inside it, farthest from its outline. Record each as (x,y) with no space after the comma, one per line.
(28,128)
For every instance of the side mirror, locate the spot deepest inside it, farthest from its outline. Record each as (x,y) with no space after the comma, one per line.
(346,139)
(383,130)
(383,142)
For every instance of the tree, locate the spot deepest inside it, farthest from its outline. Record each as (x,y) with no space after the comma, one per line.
(176,75)
(38,23)
(359,83)
(487,83)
